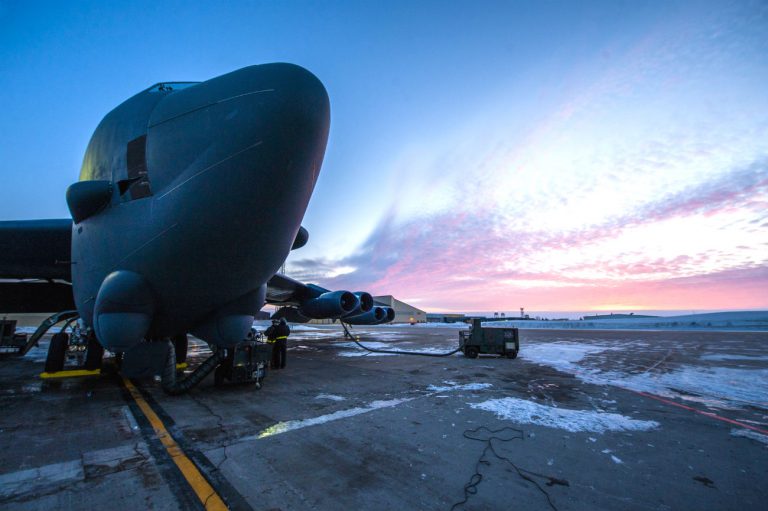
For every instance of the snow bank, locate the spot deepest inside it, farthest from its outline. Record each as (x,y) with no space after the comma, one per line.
(528,412)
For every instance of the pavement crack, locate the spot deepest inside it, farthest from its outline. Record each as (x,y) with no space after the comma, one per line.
(222,429)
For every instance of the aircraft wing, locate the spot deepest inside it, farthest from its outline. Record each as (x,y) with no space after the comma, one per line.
(35,266)
(301,302)
(36,249)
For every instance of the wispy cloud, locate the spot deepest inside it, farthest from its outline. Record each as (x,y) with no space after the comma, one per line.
(645,181)
(464,257)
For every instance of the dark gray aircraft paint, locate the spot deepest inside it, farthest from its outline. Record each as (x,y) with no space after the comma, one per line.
(190,198)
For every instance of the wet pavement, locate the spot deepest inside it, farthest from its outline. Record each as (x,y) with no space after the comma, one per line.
(581,420)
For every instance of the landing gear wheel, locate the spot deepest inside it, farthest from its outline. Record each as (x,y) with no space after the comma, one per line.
(57,351)
(94,354)
(180,343)
(512,354)
(472,352)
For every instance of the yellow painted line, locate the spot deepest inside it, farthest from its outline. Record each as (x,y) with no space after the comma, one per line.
(207,495)
(71,373)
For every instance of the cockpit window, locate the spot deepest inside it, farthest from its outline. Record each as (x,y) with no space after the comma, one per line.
(171,86)
(138,178)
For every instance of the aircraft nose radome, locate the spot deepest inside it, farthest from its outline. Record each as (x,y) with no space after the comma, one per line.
(267,123)
(246,149)
(298,112)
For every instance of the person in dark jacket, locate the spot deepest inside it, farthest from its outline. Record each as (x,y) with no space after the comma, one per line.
(271,335)
(282,331)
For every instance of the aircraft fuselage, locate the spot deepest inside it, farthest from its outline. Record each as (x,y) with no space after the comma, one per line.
(207,187)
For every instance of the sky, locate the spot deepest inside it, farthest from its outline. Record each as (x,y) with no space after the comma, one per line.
(483,156)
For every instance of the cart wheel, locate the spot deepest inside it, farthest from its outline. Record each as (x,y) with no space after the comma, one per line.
(472,352)
(57,350)
(512,354)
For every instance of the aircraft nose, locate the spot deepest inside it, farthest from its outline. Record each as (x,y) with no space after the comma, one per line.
(268,124)
(233,162)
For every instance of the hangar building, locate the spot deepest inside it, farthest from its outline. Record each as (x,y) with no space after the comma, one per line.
(404,313)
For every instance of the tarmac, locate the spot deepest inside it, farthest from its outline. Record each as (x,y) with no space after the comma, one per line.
(581,420)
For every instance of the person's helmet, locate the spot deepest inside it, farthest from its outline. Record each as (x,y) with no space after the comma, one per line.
(282,321)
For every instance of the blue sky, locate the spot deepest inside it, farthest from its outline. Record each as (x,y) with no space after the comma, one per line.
(482,156)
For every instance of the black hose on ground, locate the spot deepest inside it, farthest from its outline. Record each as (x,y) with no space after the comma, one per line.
(173,387)
(396,352)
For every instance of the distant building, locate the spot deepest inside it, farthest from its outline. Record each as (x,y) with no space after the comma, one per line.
(404,313)
(445,318)
(631,315)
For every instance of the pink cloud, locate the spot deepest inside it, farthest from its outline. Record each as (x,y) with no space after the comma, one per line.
(461,260)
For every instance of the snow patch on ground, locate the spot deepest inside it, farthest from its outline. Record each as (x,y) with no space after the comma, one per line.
(363,353)
(528,412)
(303,328)
(434,350)
(359,352)
(746,433)
(711,385)
(29,330)
(561,355)
(452,385)
(429,325)
(719,384)
(717,357)
(371,344)
(331,397)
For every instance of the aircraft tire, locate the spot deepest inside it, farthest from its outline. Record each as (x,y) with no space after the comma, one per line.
(94,354)
(57,351)
(512,354)
(472,352)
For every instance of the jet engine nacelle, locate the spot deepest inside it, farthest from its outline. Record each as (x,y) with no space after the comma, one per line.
(333,304)
(390,315)
(372,317)
(365,303)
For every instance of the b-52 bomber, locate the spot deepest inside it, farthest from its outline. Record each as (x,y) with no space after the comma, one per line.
(190,198)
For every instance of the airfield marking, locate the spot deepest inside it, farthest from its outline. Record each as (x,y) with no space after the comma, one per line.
(204,491)
(71,373)
(711,415)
